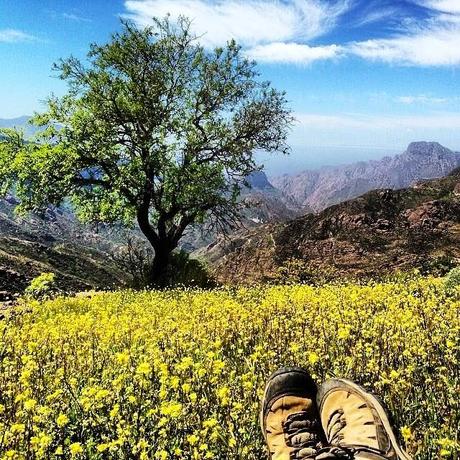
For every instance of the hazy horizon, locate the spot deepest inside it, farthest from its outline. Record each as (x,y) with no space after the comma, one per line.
(312,157)
(316,157)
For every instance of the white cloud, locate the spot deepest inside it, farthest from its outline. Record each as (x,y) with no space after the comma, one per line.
(433,42)
(292,53)
(435,47)
(250,22)
(447,6)
(442,121)
(377,15)
(422,99)
(281,31)
(75,17)
(15,36)
(383,131)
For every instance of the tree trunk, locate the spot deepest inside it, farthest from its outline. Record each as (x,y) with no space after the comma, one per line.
(163,244)
(159,275)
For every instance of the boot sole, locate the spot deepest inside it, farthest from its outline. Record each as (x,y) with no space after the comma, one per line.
(374,401)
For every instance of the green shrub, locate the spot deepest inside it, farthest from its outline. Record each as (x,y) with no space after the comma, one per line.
(438,266)
(187,271)
(136,258)
(453,280)
(298,271)
(41,286)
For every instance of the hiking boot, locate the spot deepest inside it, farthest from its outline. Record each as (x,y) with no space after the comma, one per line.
(289,417)
(355,423)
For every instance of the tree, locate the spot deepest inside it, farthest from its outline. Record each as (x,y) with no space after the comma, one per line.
(153,128)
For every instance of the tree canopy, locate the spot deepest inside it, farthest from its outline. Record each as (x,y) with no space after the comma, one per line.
(153,129)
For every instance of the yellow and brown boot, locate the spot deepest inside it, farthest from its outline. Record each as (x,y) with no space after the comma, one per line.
(289,417)
(355,423)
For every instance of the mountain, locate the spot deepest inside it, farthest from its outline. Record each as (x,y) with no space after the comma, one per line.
(83,257)
(14,122)
(317,189)
(380,232)
(80,257)
(261,202)
(19,123)
(266,202)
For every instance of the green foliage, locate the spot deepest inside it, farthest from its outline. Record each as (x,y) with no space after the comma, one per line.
(298,271)
(153,127)
(11,141)
(452,281)
(41,286)
(438,266)
(188,272)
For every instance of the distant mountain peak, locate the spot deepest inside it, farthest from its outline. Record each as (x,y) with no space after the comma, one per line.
(258,180)
(19,123)
(426,148)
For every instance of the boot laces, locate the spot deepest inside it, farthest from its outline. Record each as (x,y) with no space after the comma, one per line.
(303,434)
(335,436)
(336,449)
(335,426)
(334,453)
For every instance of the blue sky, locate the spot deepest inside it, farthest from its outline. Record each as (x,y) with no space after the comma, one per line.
(364,77)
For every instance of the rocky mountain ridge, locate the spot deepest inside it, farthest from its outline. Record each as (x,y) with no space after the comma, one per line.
(315,190)
(81,257)
(380,232)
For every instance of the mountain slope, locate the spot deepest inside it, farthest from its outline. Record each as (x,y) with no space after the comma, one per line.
(83,258)
(18,122)
(379,232)
(321,188)
(54,242)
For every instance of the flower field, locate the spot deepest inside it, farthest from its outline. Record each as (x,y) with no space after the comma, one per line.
(179,374)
